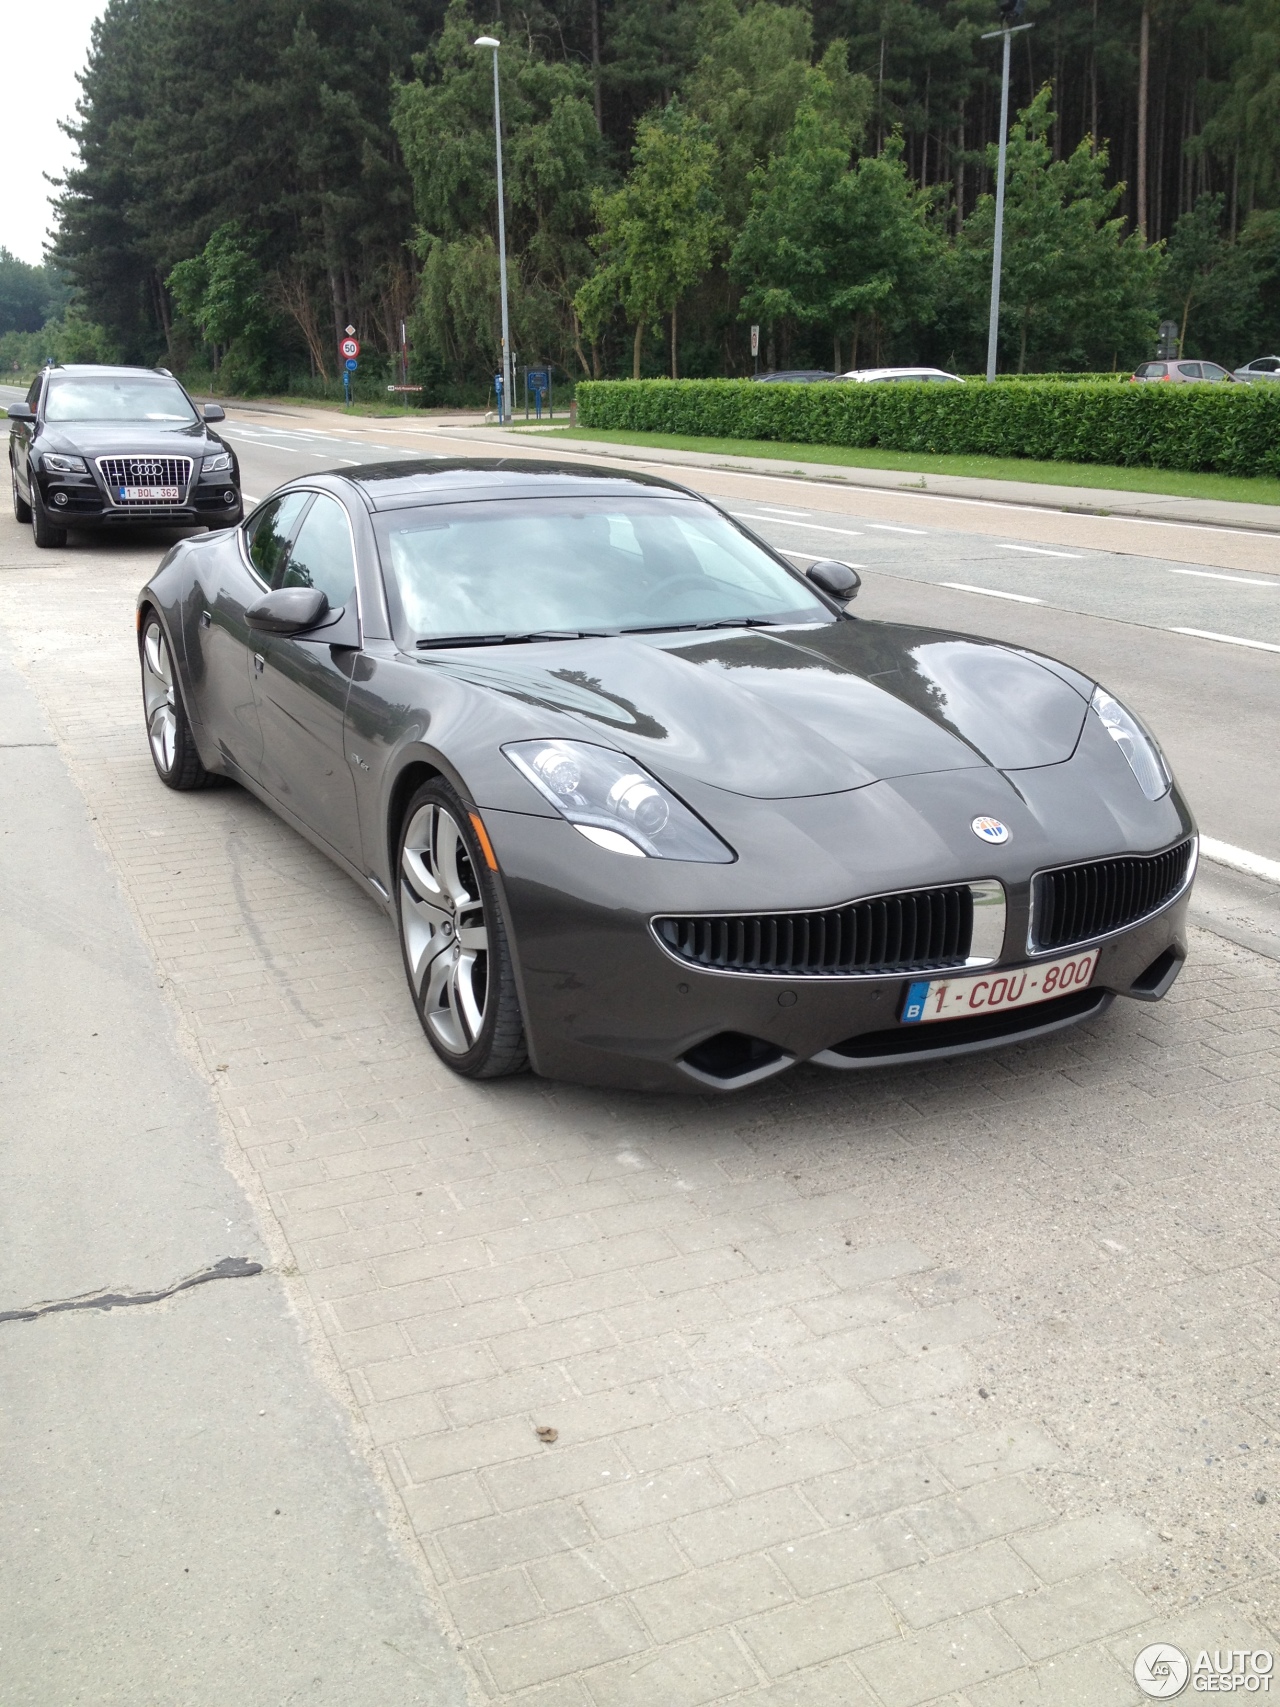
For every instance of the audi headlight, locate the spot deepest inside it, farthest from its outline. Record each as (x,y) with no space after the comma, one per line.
(219,464)
(1146,761)
(56,464)
(614,802)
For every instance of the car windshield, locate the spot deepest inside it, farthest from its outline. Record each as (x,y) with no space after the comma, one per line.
(514,568)
(112,397)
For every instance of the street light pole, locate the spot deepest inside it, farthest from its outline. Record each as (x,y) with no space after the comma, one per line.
(993,325)
(508,399)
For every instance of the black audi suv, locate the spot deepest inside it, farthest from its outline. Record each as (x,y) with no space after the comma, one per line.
(118,446)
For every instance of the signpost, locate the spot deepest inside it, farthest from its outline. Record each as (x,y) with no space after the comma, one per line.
(755,347)
(537,381)
(1009,11)
(349,349)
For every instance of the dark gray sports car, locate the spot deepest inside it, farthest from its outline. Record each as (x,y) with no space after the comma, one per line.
(650,807)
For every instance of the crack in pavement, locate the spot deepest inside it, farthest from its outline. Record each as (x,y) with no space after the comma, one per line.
(227,1268)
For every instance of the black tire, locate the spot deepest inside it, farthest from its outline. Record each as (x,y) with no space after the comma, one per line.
(43,530)
(173,747)
(454,942)
(21,509)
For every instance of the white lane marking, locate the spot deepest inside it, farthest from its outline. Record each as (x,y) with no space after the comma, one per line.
(1037,550)
(794,515)
(812,557)
(1240,580)
(1240,859)
(888,527)
(991,593)
(811,527)
(1227,639)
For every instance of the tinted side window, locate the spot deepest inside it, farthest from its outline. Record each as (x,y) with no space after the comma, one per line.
(33,396)
(1213,371)
(1189,370)
(270,530)
(322,555)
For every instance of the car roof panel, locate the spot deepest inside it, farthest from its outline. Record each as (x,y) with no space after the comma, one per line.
(397,485)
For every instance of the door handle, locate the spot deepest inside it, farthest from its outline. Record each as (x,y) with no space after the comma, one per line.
(259,663)
(206,620)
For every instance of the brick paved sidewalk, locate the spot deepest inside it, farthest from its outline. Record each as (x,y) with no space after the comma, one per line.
(953,1383)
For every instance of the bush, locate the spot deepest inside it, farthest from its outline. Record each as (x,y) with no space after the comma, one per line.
(1217,429)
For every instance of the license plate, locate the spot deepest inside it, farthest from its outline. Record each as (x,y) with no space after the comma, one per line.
(151,494)
(958,998)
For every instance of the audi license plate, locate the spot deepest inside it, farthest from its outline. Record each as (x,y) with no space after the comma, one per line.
(993,992)
(150,494)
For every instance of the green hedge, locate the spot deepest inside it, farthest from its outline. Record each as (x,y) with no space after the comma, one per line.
(1216,429)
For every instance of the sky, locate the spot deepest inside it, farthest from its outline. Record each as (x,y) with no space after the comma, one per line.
(45,45)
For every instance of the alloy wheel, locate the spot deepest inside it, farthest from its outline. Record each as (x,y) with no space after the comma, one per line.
(446,932)
(159,697)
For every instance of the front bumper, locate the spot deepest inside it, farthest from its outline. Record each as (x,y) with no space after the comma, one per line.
(79,501)
(605,1004)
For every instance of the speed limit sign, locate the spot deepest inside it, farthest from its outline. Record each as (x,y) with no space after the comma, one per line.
(350,346)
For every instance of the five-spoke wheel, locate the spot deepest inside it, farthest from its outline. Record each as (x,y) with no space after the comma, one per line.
(455,948)
(173,747)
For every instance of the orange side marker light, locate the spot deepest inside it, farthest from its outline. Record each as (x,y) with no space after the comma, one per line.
(486,846)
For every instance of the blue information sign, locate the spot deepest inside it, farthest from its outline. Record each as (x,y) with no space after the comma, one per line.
(537,379)
(351,364)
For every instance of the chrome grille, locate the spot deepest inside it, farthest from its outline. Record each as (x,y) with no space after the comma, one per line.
(920,930)
(1079,902)
(120,472)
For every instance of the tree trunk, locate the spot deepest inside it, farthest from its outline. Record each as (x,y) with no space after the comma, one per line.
(1093,82)
(595,65)
(836,348)
(675,371)
(1144,81)
(1022,350)
(635,350)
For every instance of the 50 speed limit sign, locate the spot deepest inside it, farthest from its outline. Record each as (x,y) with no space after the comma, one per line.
(350,346)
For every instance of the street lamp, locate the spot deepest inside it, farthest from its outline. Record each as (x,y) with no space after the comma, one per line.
(507,398)
(1009,10)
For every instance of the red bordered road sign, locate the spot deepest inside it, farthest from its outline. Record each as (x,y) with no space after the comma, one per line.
(350,346)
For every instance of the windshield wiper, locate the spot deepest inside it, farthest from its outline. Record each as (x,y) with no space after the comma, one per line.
(716,622)
(518,639)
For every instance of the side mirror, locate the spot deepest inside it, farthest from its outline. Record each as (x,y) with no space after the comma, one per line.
(21,412)
(836,580)
(288,610)
(214,412)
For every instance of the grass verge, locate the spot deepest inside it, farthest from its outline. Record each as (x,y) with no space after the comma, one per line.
(1166,482)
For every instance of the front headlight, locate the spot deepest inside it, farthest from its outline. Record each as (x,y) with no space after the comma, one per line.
(1146,761)
(614,802)
(219,464)
(56,464)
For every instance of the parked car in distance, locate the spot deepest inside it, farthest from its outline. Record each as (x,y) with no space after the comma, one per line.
(795,376)
(1264,367)
(902,376)
(97,446)
(1182,373)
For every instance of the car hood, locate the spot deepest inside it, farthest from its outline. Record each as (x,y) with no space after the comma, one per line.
(798,712)
(114,438)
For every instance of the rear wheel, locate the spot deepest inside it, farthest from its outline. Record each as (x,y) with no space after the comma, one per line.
(456,955)
(43,529)
(173,747)
(21,509)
